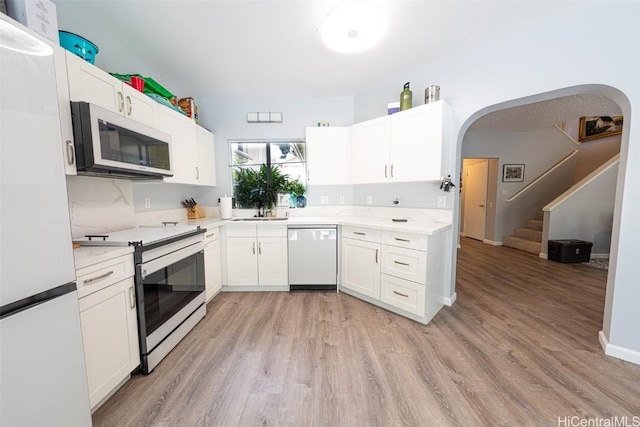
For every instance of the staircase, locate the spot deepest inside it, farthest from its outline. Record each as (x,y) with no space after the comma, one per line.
(527,238)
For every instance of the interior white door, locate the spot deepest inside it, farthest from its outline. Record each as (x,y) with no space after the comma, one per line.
(475,198)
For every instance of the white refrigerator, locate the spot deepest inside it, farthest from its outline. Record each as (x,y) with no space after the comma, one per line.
(42,369)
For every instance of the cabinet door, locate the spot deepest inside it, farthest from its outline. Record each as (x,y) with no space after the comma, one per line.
(328,155)
(90,84)
(272,261)
(242,261)
(139,106)
(361,267)
(370,151)
(110,337)
(212,269)
(416,144)
(206,167)
(183,145)
(62,83)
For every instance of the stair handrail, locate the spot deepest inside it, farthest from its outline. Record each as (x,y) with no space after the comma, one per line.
(542,176)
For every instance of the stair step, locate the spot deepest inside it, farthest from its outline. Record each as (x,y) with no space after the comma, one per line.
(534,224)
(521,244)
(539,215)
(529,234)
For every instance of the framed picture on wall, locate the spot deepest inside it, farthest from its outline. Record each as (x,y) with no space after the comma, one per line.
(512,173)
(594,127)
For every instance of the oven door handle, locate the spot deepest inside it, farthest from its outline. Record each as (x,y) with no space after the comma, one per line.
(169,259)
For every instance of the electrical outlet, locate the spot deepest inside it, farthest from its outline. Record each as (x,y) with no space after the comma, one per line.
(369,200)
(441,202)
(147,202)
(324,200)
(341,200)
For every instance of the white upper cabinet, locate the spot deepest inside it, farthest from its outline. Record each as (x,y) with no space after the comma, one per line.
(416,143)
(66,128)
(370,151)
(206,157)
(402,147)
(183,145)
(328,155)
(90,84)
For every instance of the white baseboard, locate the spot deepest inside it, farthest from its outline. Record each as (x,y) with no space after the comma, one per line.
(618,352)
(599,255)
(543,256)
(448,301)
(491,242)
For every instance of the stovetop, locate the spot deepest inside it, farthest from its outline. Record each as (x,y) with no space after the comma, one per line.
(139,236)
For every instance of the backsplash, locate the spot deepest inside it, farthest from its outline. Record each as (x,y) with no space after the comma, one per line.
(99,205)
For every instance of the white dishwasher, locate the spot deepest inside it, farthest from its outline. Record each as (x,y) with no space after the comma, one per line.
(313,257)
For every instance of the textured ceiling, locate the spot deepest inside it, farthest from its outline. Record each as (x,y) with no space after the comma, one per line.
(547,113)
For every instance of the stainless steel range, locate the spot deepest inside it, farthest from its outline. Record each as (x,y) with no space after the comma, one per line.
(170,289)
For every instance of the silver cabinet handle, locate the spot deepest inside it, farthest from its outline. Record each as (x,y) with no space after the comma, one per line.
(385,170)
(401,263)
(402,295)
(357,233)
(254,248)
(260,248)
(71,158)
(102,276)
(197,173)
(392,171)
(403,240)
(121,107)
(130,104)
(377,250)
(132,296)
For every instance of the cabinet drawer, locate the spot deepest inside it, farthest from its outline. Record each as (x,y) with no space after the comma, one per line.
(104,274)
(405,240)
(359,233)
(241,231)
(272,231)
(402,294)
(212,233)
(408,264)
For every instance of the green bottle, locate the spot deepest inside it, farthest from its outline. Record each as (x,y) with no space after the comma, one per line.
(406,98)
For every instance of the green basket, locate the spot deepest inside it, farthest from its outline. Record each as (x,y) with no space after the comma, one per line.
(150,85)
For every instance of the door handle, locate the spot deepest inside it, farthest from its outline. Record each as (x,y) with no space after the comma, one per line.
(377,250)
(391,170)
(482,206)
(385,171)
(197,173)
(402,295)
(102,276)
(132,296)
(129,103)
(254,248)
(121,107)
(260,248)
(71,159)
(401,263)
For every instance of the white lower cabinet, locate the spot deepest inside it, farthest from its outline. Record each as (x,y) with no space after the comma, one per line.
(256,256)
(361,266)
(212,263)
(394,270)
(109,326)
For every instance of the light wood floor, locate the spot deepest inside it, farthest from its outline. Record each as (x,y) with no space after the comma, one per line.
(518,348)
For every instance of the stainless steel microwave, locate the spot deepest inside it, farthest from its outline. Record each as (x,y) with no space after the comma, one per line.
(109,144)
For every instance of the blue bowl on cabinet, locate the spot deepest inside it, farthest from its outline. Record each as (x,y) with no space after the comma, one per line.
(78,45)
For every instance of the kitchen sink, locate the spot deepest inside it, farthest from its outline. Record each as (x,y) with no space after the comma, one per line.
(255,218)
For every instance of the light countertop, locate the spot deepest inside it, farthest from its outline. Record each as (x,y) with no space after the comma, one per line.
(411,226)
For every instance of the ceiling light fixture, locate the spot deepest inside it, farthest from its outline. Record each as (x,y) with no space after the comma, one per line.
(353,27)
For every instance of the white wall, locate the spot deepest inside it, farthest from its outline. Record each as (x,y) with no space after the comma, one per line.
(541,62)
(586,213)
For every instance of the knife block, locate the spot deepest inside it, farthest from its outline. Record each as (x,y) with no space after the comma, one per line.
(195,212)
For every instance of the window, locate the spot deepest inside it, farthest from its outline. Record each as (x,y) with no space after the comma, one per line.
(262,169)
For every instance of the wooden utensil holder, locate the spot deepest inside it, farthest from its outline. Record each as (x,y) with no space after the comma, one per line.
(195,212)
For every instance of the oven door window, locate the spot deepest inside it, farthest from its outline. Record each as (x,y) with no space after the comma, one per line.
(171,288)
